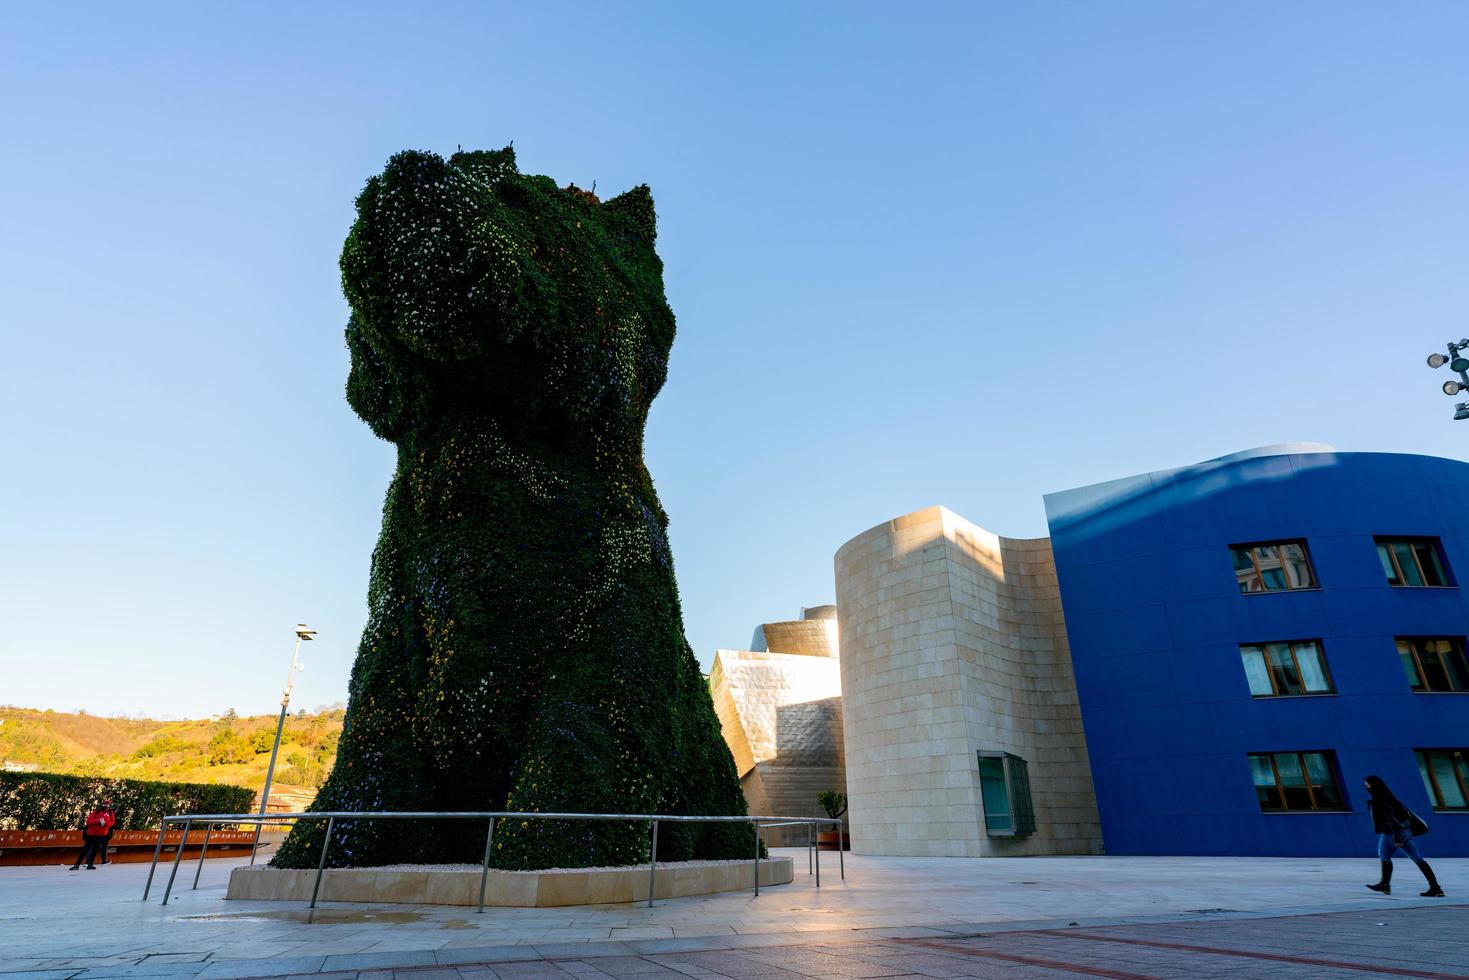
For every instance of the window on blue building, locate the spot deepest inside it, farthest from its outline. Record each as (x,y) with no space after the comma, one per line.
(1279,670)
(1413,563)
(1275,566)
(1296,781)
(1445,775)
(1434,663)
(1004,789)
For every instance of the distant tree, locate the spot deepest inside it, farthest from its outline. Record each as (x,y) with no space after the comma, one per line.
(326,751)
(227,748)
(834,803)
(160,745)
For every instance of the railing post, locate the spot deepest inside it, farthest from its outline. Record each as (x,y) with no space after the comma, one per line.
(320,866)
(208,829)
(178,857)
(810,844)
(757,858)
(162,827)
(255,843)
(484,872)
(652,863)
(841,846)
(816,852)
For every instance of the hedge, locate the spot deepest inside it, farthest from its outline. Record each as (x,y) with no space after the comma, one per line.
(524,648)
(51,801)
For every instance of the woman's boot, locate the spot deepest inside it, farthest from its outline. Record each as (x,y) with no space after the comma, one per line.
(1434,891)
(1385,885)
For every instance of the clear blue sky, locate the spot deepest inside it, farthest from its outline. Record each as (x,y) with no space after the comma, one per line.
(919,254)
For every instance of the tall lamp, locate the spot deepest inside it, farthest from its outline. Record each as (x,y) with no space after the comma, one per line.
(1459,364)
(302,633)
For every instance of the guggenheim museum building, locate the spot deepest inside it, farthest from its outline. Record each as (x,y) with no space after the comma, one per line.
(1203,660)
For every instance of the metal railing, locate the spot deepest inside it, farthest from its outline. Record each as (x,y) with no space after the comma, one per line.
(212,820)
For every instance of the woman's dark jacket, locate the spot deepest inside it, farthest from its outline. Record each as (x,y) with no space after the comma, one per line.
(1389,815)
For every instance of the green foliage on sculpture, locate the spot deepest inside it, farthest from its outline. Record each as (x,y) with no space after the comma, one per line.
(524,649)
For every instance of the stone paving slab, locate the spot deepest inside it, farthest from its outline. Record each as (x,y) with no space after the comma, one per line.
(95,928)
(1426,942)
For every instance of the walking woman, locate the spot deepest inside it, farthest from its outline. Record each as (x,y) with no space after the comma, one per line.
(1396,826)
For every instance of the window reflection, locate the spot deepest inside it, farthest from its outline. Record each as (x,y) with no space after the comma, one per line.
(1434,663)
(1281,566)
(1445,775)
(1285,669)
(1412,563)
(1287,781)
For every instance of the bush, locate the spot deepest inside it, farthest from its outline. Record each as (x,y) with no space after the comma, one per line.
(161,745)
(262,740)
(834,803)
(227,748)
(49,801)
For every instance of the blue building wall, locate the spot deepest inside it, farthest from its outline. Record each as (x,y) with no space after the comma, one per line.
(1155,620)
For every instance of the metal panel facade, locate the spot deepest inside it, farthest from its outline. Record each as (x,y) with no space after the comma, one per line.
(1156,619)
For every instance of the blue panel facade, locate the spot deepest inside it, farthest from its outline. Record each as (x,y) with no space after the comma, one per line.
(1156,619)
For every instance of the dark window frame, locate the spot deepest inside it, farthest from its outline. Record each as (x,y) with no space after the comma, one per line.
(1383,544)
(1417,658)
(1276,692)
(1253,549)
(1017,791)
(1333,770)
(1459,761)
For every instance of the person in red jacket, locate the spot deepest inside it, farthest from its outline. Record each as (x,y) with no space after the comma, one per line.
(95,832)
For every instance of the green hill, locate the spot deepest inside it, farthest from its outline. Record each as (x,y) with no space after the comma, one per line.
(228,749)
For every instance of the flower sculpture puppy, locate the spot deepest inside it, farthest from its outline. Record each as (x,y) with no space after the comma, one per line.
(525,645)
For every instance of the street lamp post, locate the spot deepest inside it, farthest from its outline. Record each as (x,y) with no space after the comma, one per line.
(302,633)
(1460,366)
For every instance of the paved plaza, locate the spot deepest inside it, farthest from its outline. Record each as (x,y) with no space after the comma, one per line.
(892,917)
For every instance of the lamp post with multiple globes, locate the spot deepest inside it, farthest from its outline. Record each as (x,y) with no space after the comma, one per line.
(1459,364)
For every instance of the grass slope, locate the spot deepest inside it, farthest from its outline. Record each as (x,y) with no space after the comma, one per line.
(228,749)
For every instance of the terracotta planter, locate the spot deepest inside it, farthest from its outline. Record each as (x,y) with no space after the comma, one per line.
(827,840)
(42,847)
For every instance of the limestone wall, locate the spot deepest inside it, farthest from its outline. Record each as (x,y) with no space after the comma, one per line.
(781,715)
(952,643)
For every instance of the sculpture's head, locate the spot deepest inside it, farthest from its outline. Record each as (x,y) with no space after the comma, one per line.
(480,291)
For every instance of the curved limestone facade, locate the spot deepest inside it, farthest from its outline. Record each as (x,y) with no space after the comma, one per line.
(953,648)
(779,708)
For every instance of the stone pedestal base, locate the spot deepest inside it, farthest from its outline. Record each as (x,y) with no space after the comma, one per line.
(459,884)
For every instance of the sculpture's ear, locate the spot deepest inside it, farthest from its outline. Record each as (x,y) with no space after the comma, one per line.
(487,165)
(637,205)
